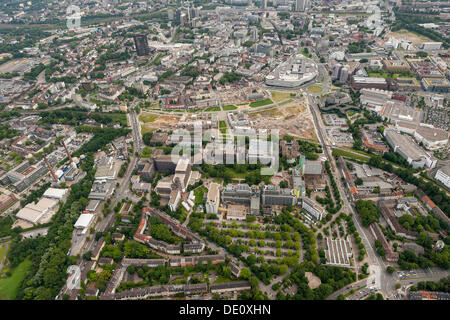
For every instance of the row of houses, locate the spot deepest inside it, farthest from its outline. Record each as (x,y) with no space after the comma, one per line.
(172,289)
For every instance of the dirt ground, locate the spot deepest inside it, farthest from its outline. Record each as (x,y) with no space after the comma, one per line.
(405,34)
(292,119)
(313,280)
(162,122)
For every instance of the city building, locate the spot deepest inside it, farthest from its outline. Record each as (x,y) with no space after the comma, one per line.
(213,198)
(313,208)
(274,195)
(409,150)
(141,43)
(443,175)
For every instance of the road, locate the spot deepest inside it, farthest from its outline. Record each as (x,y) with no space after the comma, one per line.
(376,264)
(121,193)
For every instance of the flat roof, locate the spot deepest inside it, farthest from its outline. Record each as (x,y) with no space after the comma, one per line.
(55,193)
(213,192)
(84,220)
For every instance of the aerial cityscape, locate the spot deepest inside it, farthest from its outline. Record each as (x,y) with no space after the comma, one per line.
(224,150)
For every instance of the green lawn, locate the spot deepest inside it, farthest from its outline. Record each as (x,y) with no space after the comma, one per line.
(315,89)
(10,286)
(213,109)
(198,193)
(346,154)
(221,279)
(278,96)
(147,118)
(260,103)
(223,127)
(229,107)
(145,129)
(285,102)
(146,152)
(2,252)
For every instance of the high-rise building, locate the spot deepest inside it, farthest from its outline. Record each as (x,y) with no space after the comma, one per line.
(300,5)
(344,75)
(141,43)
(264,4)
(170,14)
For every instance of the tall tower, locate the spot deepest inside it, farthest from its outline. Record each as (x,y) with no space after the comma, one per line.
(51,169)
(300,5)
(264,4)
(141,43)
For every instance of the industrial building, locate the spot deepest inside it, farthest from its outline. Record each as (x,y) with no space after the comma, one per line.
(40,212)
(55,193)
(101,189)
(24,175)
(409,150)
(443,176)
(338,252)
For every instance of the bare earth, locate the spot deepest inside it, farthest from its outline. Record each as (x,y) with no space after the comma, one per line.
(313,281)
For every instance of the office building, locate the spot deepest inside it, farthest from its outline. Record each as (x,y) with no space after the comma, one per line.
(313,208)
(213,198)
(141,43)
(274,195)
(409,150)
(443,175)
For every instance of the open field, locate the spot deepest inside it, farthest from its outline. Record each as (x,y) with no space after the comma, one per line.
(292,119)
(347,154)
(278,96)
(158,121)
(285,102)
(416,39)
(213,109)
(260,103)
(229,107)
(313,280)
(315,89)
(145,129)
(10,285)
(146,117)
(2,251)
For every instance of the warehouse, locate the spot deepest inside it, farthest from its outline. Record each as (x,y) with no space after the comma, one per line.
(409,150)
(54,193)
(40,212)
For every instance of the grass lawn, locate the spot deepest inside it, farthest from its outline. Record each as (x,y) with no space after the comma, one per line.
(198,193)
(346,154)
(9,286)
(278,96)
(213,109)
(315,89)
(260,103)
(145,129)
(146,152)
(2,252)
(221,279)
(218,180)
(229,107)
(285,102)
(223,127)
(147,117)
